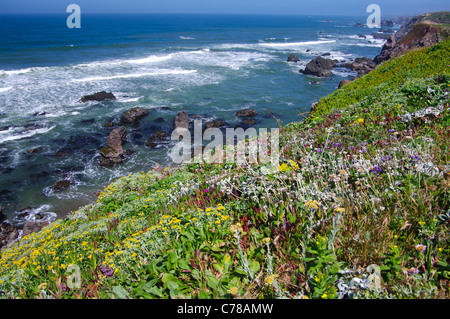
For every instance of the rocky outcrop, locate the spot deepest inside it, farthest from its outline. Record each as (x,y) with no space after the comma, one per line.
(387,23)
(214,124)
(61,185)
(8,234)
(132,115)
(320,67)
(343,83)
(99,96)
(181,120)
(113,153)
(421,31)
(33,227)
(381,36)
(2,215)
(34,150)
(361,65)
(246,113)
(293,58)
(155,139)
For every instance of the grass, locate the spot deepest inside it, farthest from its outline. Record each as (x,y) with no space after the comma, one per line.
(358,208)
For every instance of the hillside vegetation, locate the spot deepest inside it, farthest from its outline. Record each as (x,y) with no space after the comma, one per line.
(358,208)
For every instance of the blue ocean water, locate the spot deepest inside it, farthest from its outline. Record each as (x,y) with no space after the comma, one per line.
(209,65)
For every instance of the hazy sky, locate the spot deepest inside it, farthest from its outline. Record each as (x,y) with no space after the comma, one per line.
(310,7)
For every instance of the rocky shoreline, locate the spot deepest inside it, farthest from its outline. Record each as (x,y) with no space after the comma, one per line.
(421,31)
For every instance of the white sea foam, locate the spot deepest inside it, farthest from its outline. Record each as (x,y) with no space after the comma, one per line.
(133,99)
(294,44)
(186,38)
(135,75)
(5,89)
(150,59)
(24,134)
(14,72)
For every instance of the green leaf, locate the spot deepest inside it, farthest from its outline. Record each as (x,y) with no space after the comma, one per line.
(155,291)
(149,284)
(172,257)
(254,266)
(172,285)
(183,264)
(120,292)
(169,277)
(212,282)
(204,295)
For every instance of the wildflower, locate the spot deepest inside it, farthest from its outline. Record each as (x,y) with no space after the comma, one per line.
(421,247)
(284,168)
(269,280)
(294,164)
(324,296)
(266,240)
(233,290)
(42,286)
(312,204)
(339,210)
(412,270)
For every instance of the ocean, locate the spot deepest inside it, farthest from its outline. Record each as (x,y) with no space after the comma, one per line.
(209,65)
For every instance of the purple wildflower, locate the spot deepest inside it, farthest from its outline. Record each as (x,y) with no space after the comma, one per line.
(377,170)
(106,270)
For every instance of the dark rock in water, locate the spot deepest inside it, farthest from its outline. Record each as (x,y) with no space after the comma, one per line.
(359,25)
(293,58)
(61,185)
(380,36)
(7,170)
(387,23)
(88,121)
(133,114)
(246,113)
(153,140)
(362,36)
(326,54)
(249,122)
(40,114)
(128,152)
(8,234)
(343,83)
(112,154)
(361,65)
(181,120)
(313,82)
(2,215)
(108,124)
(99,96)
(38,216)
(214,124)
(137,136)
(308,50)
(320,67)
(160,120)
(34,150)
(61,153)
(33,227)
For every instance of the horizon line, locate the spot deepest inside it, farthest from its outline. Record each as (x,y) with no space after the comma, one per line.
(212,13)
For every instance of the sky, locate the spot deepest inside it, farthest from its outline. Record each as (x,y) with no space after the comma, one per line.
(297,7)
